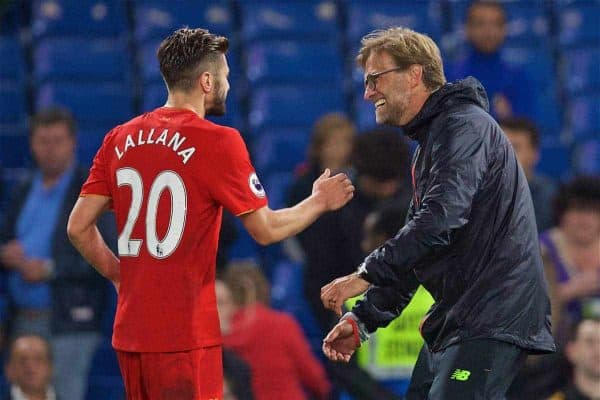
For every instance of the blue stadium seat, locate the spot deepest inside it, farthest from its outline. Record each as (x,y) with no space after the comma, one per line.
(280,150)
(555,159)
(149,68)
(584,115)
(109,103)
(12,102)
(155,19)
(276,185)
(309,19)
(292,105)
(364,113)
(85,18)
(294,62)
(104,380)
(363,17)
(12,62)
(244,247)
(581,70)
(14,143)
(586,158)
(578,22)
(81,60)
(89,139)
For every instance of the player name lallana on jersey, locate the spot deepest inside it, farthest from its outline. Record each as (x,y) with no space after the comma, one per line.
(173,141)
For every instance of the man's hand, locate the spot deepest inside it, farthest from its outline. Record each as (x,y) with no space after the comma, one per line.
(33,270)
(334,294)
(11,254)
(333,191)
(341,342)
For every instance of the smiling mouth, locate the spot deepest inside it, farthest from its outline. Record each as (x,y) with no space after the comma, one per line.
(379,103)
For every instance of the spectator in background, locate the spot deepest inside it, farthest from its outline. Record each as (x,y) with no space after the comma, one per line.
(509,90)
(583,351)
(53,291)
(330,147)
(525,139)
(571,253)
(271,342)
(333,244)
(392,351)
(29,370)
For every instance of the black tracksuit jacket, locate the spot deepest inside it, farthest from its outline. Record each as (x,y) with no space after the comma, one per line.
(470,237)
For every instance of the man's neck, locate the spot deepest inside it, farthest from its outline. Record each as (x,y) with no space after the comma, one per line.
(42,394)
(50,178)
(186,101)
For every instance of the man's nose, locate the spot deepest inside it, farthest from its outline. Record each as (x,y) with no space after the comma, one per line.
(368,93)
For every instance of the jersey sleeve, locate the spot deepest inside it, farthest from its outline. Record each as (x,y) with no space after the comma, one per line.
(235,183)
(98,179)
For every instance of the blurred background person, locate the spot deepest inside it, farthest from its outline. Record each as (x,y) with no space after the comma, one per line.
(583,352)
(525,139)
(380,163)
(391,352)
(281,362)
(510,91)
(28,369)
(330,147)
(54,293)
(571,253)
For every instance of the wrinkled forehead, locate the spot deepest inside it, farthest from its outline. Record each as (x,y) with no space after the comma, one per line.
(378,61)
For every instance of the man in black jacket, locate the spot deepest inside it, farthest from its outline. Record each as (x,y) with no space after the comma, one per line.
(470,237)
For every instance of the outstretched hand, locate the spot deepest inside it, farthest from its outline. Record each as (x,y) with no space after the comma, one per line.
(342,341)
(333,191)
(335,293)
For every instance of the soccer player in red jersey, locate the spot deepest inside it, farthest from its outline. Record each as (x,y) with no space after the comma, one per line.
(167,174)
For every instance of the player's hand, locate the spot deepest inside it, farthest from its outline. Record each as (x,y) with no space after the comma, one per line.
(33,270)
(335,293)
(333,191)
(11,254)
(341,342)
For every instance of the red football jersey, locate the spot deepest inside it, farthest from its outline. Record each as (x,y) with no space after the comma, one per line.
(169,173)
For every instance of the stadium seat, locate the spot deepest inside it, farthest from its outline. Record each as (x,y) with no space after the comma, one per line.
(586,157)
(155,19)
(294,62)
(244,247)
(83,18)
(292,105)
(109,103)
(305,20)
(89,139)
(280,150)
(580,69)
(104,380)
(276,185)
(12,102)
(555,159)
(578,22)
(363,17)
(81,60)
(12,62)
(584,115)
(14,143)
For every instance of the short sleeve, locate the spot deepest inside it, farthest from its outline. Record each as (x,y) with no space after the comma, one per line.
(98,179)
(235,183)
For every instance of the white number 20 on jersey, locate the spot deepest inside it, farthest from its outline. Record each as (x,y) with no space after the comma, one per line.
(166,180)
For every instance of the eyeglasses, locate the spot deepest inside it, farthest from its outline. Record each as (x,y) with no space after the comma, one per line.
(371,79)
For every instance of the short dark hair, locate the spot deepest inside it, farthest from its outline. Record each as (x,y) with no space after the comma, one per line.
(381,154)
(484,3)
(51,116)
(188,52)
(582,192)
(525,125)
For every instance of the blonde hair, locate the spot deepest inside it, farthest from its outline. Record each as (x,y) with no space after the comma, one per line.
(406,47)
(247,283)
(323,128)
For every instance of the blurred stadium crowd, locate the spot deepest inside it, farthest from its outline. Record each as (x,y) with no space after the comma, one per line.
(296,97)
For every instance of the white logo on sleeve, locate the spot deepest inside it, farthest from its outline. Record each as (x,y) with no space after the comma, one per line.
(255,185)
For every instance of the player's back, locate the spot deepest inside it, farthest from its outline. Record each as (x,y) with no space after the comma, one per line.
(169,174)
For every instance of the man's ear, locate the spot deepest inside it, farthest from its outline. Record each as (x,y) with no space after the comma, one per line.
(416,74)
(206,81)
